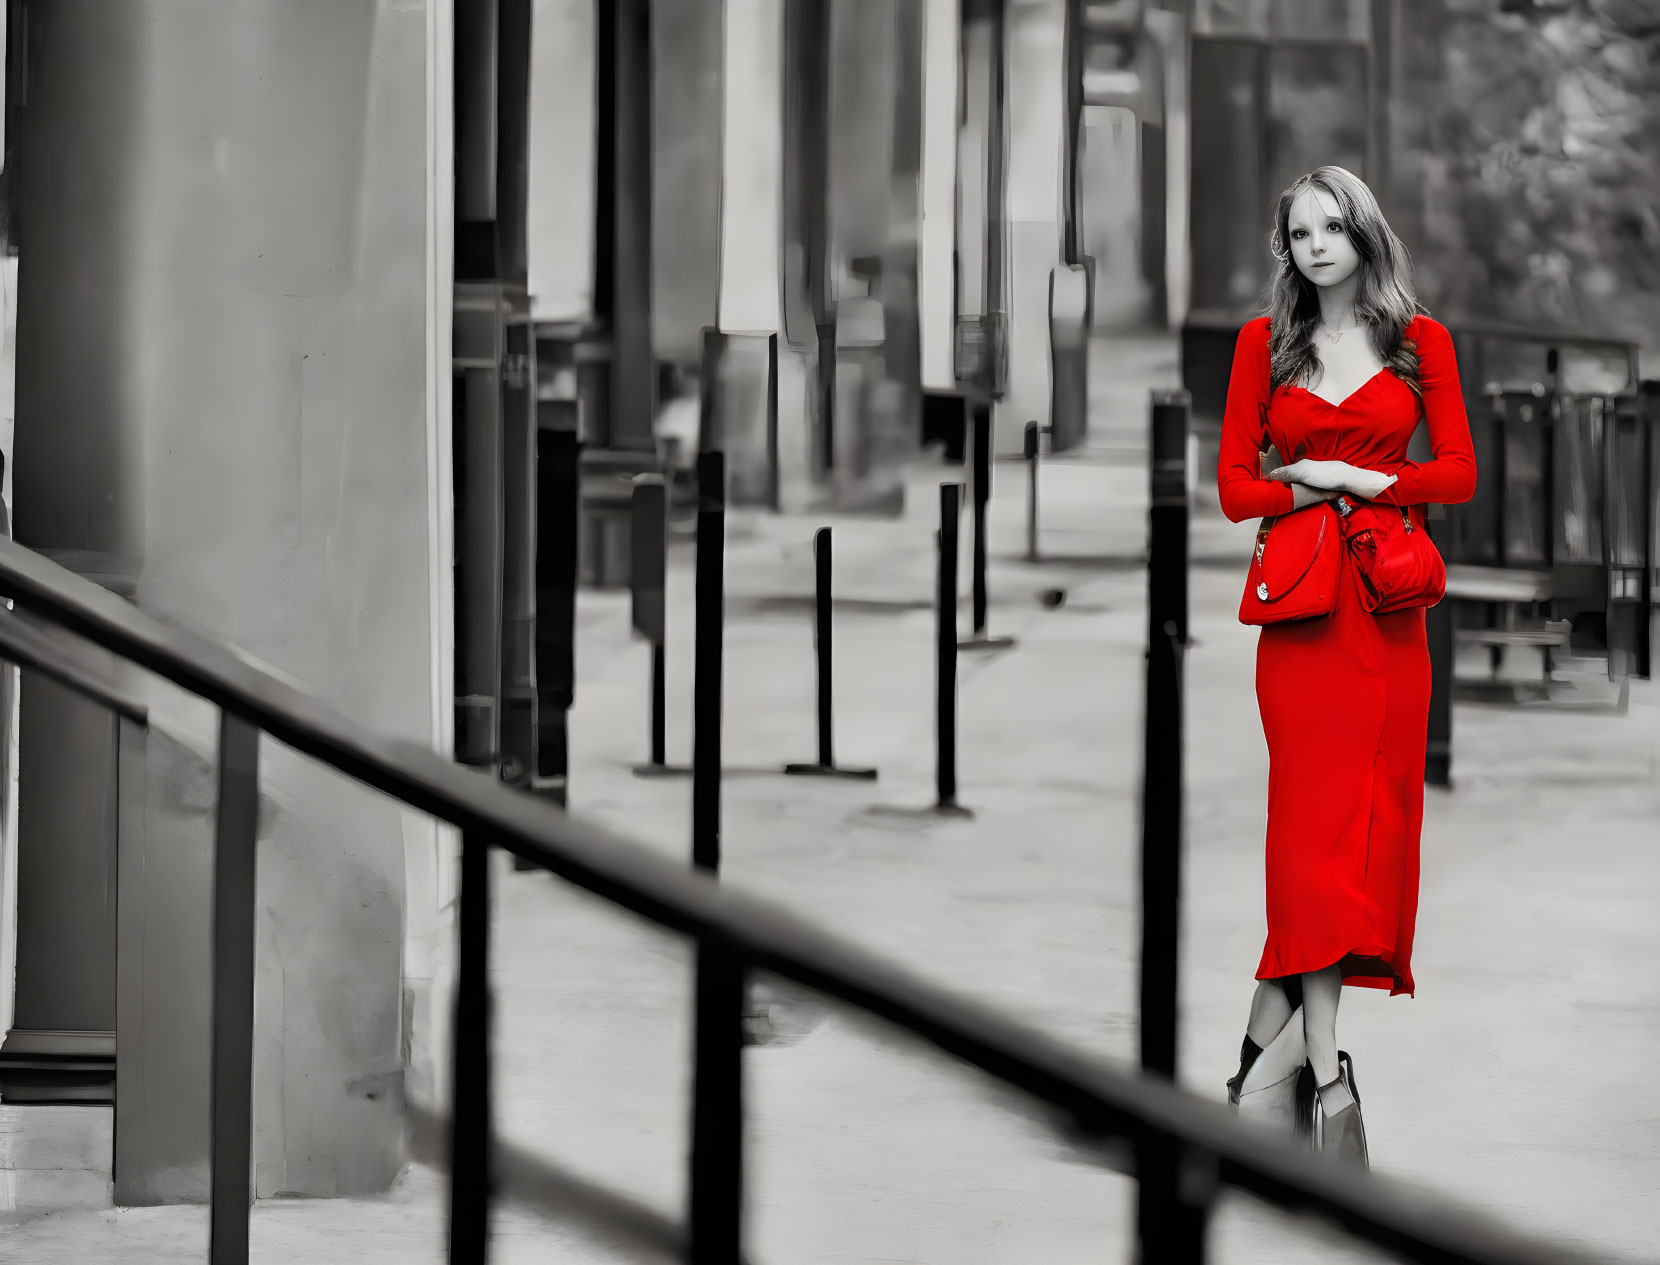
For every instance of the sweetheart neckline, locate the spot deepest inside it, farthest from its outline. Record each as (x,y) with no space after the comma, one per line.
(1351,395)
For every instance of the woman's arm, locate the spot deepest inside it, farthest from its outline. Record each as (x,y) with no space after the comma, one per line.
(1449,478)
(1243,491)
(1335,477)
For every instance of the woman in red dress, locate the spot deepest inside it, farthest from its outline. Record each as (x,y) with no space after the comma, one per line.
(1336,375)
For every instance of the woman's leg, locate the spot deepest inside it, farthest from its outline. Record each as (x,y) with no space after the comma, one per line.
(1321,992)
(1270,1008)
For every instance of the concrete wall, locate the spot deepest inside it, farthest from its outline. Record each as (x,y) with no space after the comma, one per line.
(752,159)
(1037,111)
(562,159)
(264,410)
(688,55)
(935,267)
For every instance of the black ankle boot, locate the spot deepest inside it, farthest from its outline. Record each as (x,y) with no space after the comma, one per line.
(1248,1053)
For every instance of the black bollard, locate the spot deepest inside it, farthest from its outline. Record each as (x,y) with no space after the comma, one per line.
(945,691)
(706,684)
(716,1195)
(945,678)
(1438,622)
(558,500)
(775,491)
(1169,474)
(980,472)
(648,578)
(826,391)
(1170,1214)
(1032,440)
(1161,801)
(945,668)
(558,496)
(826,765)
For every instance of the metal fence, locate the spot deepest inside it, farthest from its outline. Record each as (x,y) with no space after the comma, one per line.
(1184,1150)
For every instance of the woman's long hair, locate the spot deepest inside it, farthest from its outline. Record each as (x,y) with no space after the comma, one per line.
(1385,299)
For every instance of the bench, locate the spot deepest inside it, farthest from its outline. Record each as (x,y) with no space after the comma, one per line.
(1554,633)
(1510,589)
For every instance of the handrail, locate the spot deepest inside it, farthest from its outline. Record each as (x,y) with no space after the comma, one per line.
(29,647)
(1103,1100)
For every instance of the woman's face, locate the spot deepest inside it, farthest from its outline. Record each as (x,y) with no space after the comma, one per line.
(1320,243)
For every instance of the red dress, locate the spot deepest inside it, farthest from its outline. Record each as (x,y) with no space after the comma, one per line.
(1344,697)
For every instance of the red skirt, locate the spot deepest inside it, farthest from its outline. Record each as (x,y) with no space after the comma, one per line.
(1344,700)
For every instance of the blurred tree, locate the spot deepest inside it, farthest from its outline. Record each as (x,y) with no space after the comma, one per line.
(1527,149)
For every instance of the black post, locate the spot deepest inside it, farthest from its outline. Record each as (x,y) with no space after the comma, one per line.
(1172,1224)
(1033,430)
(945,692)
(1648,421)
(775,495)
(716,1178)
(470,1063)
(1162,773)
(982,494)
(1175,1191)
(980,472)
(1169,451)
(558,495)
(706,686)
(822,606)
(1439,624)
(517,658)
(822,645)
(648,579)
(659,705)
(231,1113)
(826,384)
(558,499)
(480,332)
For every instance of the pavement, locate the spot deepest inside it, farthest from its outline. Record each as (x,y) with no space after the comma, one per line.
(1518,1079)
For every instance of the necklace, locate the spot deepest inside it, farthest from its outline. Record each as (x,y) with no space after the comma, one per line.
(1331,336)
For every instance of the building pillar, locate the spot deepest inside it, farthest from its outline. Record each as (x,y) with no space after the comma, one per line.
(224,332)
(622,221)
(1037,126)
(688,102)
(79,484)
(936,263)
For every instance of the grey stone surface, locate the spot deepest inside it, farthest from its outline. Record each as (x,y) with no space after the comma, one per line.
(1516,1080)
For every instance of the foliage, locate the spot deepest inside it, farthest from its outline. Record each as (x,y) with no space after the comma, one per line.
(1538,156)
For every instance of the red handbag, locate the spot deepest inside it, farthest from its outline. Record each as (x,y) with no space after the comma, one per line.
(1398,564)
(1295,567)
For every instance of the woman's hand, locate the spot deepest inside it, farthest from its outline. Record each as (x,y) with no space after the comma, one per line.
(1303,496)
(1334,476)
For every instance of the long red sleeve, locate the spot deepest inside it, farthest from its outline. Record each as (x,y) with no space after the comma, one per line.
(1243,491)
(1450,477)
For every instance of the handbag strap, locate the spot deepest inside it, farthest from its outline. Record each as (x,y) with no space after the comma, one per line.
(1344,509)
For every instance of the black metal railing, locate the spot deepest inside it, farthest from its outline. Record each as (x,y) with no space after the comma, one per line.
(1195,1147)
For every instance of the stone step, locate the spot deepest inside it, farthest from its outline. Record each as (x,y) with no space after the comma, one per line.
(55,1158)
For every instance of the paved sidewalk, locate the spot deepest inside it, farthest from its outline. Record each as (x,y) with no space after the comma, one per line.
(1518,1078)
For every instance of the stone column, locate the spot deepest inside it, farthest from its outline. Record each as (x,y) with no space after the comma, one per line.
(935,263)
(874,132)
(79,484)
(688,104)
(1037,125)
(223,342)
